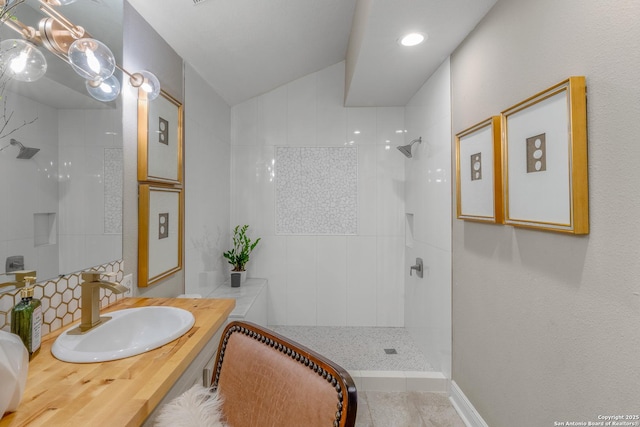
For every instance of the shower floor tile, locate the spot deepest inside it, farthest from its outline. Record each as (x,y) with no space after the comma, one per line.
(361,348)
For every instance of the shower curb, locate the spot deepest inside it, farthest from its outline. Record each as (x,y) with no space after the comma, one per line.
(400,381)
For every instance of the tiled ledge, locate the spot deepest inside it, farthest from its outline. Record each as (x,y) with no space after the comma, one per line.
(400,381)
(246,296)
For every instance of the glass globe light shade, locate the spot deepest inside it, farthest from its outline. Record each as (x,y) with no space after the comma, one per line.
(91,59)
(104,90)
(8,4)
(22,60)
(148,82)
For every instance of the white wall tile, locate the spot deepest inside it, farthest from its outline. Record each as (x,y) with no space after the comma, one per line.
(269,258)
(207,184)
(430,325)
(362,276)
(21,183)
(301,111)
(361,125)
(103,123)
(244,123)
(272,117)
(93,197)
(367,190)
(102,247)
(332,280)
(277,302)
(301,280)
(72,190)
(390,126)
(24,247)
(47,260)
(72,252)
(390,283)
(71,135)
(331,115)
(428,196)
(390,206)
(253,188)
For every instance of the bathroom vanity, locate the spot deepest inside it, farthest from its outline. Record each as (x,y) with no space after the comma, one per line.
(121,392)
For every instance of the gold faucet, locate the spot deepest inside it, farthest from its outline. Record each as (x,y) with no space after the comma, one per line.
(22,278)
(90,299)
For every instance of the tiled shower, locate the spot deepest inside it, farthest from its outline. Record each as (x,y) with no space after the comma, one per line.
(340,279)
(356,277)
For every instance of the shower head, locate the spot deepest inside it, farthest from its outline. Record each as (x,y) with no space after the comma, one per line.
(406,149)
(25,152)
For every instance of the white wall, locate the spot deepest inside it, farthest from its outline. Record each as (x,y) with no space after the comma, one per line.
(144,49)
(545,325)
(323,280)
(207,185)
(428,200)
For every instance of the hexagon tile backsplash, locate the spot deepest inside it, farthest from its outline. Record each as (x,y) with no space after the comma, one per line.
(60,298)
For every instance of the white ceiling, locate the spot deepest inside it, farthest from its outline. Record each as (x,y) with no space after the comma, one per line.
(244,48)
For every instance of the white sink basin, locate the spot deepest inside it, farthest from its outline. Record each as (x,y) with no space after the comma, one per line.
(130,332)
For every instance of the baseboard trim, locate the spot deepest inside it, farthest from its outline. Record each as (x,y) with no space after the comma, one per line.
(465,409)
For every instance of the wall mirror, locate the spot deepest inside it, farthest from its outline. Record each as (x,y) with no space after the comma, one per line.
(61,200)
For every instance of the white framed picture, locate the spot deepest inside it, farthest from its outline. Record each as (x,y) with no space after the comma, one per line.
(160,233)
(479,173)
(160,139)
(545,160)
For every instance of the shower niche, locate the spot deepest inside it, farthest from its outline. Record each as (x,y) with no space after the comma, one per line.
(44,229)
(408,230)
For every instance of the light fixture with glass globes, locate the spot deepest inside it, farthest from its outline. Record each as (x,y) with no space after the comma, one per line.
(89,58)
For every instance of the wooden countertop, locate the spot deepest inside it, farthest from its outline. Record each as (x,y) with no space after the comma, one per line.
(117,393)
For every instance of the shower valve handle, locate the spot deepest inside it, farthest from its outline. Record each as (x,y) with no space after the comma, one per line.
(418,267)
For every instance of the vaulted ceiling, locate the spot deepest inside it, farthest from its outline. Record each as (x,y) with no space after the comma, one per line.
(244,48)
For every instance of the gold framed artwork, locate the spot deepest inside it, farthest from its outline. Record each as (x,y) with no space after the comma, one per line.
(479,173)
(160,139)
(545,160)
(160,229)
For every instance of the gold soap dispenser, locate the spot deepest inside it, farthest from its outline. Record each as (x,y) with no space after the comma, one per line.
(26,318)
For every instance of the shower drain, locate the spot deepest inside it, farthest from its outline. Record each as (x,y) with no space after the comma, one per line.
(390,351)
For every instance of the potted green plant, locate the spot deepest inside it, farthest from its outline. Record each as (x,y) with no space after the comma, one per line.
(238,256)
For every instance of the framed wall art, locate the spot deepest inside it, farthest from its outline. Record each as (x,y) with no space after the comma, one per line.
(545,160)
(160,139)
(160,231)
(478,172)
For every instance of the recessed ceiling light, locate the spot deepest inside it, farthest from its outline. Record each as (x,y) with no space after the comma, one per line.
(412,39)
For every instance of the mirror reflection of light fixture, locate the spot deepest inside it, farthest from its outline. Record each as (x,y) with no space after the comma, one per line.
(23,61)
(104,90)
(147,82)
(88,57)
(91,59)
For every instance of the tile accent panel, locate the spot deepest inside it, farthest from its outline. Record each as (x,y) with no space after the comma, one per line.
(60,298)
(113,185)
(317,190)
